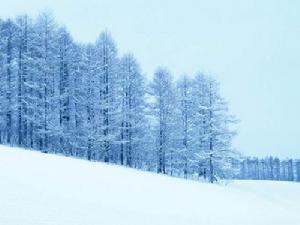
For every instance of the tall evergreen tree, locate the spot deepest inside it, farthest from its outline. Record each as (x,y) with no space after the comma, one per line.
(214,129)
(47,78)
(162,91)
(108,81)
(9,74)
(133,122)
(187,123)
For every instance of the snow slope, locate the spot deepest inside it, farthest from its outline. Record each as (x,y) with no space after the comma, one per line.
(38,189)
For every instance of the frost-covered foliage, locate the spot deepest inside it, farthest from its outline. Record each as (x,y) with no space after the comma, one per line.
(86,101)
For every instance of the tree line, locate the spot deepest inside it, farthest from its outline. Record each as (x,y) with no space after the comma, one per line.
(269,168)
(87,101)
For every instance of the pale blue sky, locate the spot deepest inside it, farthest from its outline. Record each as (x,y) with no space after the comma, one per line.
(252,47)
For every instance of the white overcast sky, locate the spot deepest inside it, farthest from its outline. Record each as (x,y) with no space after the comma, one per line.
(252,47)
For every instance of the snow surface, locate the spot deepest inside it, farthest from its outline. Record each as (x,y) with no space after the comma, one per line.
(38,189)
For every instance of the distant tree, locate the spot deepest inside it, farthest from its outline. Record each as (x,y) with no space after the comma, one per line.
(271,168)
(298,170)
(277,169)
(243,170)
(284,170)
(290,171)
(257,172)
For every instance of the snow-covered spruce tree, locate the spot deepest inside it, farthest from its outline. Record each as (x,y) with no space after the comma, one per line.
(186,126)
(133,121)
(198,158)
(107,107)
(8,80)
(164,104)
(11,80)
(71,93)
(22,58)
(78,112)
(65,91)
(214,151)
(47,79)
(2,81)
(25,50)
(27,53)
(91,93)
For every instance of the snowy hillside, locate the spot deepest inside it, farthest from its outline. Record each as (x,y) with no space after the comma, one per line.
(37,189)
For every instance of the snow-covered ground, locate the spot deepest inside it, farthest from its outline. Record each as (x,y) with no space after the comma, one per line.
(38,189)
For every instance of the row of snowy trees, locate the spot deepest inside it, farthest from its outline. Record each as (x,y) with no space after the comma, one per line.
(84,100)
(269,169)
